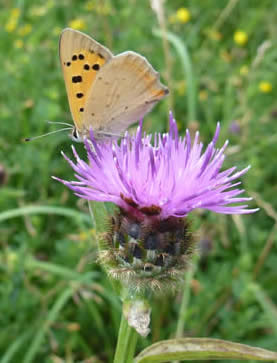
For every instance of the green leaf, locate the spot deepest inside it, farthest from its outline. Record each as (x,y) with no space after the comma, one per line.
(43,209)
(201,349)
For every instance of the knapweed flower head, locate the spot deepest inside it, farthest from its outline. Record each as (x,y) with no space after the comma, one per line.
(156,181)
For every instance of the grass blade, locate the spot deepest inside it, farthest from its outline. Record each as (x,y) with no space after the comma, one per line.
(188,71)
(13,348)
(43,209)
(52,316)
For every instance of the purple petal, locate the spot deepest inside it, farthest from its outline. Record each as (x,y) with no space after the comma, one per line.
(174,174)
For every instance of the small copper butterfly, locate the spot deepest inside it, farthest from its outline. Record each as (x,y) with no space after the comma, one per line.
(105,92)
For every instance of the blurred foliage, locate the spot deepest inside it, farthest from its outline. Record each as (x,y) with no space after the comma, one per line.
(56,304)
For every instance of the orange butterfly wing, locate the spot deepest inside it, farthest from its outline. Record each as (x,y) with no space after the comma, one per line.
(81,58)
(126,90)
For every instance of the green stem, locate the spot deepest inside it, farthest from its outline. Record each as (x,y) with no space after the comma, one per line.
(185,300)
(127,336)
(125,333)
(132,346)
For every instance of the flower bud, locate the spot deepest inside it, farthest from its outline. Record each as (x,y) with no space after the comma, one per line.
(145,252)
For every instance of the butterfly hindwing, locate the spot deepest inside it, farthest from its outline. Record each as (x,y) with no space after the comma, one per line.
(123,92)
(81,59)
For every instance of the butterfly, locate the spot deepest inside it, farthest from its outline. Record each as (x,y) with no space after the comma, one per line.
(106,93)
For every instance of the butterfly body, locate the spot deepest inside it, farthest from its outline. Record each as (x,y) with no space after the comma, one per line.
(106,93)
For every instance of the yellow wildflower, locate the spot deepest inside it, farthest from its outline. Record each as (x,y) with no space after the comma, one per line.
(265,87)
(183,15)
(240,37)
(78,24)
(10,26)
(15,13)
(12,22)
(18,43)
(25,30)
(244,70)
(203,95)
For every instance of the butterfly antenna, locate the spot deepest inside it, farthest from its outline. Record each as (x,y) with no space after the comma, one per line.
(48,133)
(59,123)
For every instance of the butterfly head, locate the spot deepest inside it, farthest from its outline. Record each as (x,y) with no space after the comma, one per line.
(75,136)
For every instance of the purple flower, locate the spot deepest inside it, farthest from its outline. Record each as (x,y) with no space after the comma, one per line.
(169,177)
(235,128)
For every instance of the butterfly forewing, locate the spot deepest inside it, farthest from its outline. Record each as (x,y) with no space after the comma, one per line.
(123,92)
(81,59)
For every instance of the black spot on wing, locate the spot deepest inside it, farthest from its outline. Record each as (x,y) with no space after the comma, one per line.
(96,67)
(76,79)
(79,95)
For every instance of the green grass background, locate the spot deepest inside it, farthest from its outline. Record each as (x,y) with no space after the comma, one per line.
(56,304)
